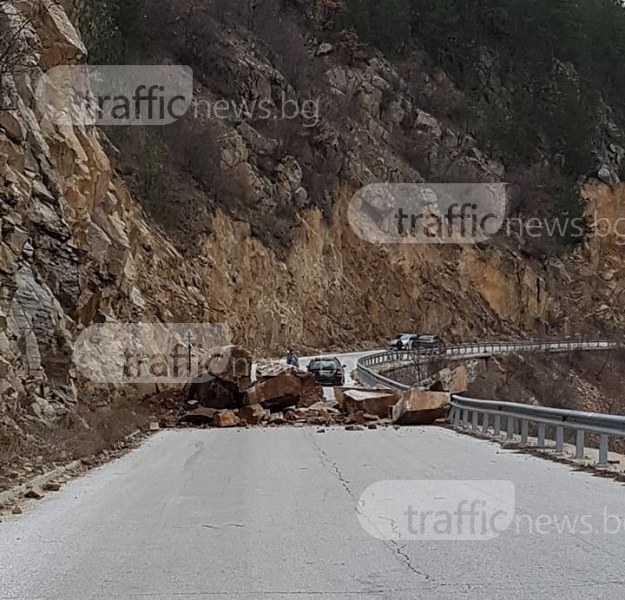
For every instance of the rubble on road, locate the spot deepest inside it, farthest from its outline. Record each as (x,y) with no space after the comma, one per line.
(34,494)
(232,364)
(339,394)
(282,395)
(372,402)
(212,392)
(419,407)
(354,428)
(51,486)
(279,386)
(228,377)
(199,416)
(226,418)
(254,414)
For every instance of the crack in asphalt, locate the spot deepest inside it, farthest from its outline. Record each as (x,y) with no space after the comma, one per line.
(398,551)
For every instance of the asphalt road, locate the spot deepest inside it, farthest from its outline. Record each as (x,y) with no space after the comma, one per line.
(348,360)
(272,514)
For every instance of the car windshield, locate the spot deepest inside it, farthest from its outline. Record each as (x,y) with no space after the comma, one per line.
(323,364)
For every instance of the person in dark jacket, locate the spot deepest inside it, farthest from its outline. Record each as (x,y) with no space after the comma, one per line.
(291,359)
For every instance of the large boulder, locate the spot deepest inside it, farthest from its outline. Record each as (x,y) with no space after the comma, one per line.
(372,402)
(215,393)
(268,369)
(276,393)
(280,386)
(339,394)
(232,364)
(418,407)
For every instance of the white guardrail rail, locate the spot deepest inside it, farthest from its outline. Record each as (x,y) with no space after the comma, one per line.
(487,417)
(368,375)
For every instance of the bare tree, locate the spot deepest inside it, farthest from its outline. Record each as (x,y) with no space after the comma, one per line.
(17,41)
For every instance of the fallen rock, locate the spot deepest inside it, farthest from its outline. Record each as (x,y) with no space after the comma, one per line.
(154,426)
(312,392)
(253,414)
(232,364)
(280,386)
(52,486)
(226,418)
(215,393)
(339,394)
(268,369)
(17,510)
(34,493)
(357,418)
(169,422)
(318,406)
(418,407)
(200,416)
(166,400)
(372,402)
(354,428)
(277,419)
(276,393)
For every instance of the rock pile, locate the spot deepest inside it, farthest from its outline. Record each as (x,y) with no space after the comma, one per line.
(277,395)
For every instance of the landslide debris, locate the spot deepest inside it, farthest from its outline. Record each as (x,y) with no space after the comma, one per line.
(272,394)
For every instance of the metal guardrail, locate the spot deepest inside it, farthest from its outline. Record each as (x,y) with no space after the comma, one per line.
(489,349)
(486,416)
(368,376)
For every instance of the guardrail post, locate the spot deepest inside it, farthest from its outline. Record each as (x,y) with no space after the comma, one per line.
(485,423)
(541,435)
(475,422)
(465,418)
(510,428)
(579,445)
(559,439)
(497,425)
(603,451)
(524,431)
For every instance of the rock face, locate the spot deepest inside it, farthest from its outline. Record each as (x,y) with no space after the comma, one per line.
(76,248)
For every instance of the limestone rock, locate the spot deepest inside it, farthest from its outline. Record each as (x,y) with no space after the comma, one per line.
(417,407)
(226,419)
(373,402)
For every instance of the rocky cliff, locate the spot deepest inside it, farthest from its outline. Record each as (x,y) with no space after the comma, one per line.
(78,247)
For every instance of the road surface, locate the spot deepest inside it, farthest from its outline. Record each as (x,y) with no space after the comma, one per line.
(271,514)
(348,360)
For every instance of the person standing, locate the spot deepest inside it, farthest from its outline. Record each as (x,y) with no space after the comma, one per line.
(292,360)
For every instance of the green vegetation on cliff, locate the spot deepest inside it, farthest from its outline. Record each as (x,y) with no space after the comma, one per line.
(558,61)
